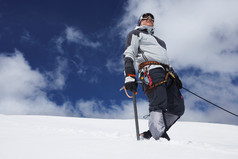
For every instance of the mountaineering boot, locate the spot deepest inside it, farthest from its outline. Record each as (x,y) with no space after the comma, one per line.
(145,135)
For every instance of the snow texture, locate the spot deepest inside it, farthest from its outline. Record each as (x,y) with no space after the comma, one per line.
(51,137)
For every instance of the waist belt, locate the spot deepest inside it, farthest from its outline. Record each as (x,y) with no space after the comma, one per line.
(143,64)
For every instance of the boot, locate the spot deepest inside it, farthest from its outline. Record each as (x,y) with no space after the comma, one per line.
(146,135)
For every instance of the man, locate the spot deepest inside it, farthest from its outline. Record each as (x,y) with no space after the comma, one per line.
(159,82)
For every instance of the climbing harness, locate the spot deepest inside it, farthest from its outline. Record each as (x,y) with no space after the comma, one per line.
(152,86)
(146,79)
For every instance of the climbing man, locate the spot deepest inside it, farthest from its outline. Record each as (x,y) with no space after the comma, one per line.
(159,81)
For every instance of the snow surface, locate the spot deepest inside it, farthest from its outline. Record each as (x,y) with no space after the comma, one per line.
(50,137)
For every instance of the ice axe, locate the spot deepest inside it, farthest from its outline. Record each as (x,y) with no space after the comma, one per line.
(135,111)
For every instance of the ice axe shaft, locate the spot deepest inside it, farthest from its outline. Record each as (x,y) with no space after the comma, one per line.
(136,117)
(135,111)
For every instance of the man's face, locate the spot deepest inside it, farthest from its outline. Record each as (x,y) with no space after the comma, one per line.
(148,22)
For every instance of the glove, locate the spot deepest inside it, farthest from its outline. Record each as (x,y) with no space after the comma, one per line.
(131,83)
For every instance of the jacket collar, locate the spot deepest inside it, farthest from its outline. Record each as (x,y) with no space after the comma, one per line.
(149,29)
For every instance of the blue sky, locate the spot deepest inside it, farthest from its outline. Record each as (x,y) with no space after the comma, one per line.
(80,35)
(65,57)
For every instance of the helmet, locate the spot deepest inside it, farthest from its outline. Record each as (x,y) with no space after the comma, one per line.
(145,16)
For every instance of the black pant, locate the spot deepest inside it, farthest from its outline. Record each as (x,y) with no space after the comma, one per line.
(165,97)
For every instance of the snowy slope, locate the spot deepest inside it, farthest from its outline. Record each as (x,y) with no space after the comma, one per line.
(47,137)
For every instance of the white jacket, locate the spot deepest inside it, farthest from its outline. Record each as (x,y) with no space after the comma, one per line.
(143,46)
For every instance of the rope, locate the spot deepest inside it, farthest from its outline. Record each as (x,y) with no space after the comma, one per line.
(127,92)
(211,102)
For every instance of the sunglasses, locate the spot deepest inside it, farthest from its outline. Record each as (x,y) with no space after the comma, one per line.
(146,16)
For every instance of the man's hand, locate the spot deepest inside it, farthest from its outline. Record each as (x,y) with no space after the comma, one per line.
(130,83)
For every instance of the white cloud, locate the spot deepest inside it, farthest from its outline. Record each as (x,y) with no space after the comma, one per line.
(26,36)
(215,88)
(201,34)
(115,66)
(201,38)
(22,89)
(59,42)
(72,35)
(58,76)
(76,36)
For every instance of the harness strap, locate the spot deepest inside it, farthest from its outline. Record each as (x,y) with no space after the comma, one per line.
(149,78)
(143,64)
(148,88)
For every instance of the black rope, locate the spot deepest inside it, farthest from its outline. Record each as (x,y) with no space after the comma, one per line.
(211,102)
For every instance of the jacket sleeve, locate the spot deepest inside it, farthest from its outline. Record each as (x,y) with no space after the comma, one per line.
(131,51)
